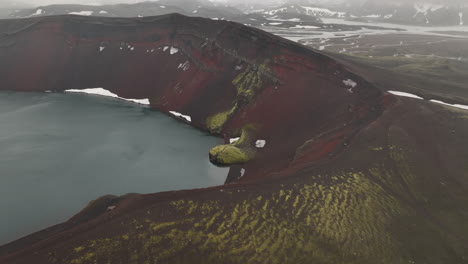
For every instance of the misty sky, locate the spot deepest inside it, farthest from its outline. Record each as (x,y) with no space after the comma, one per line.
(49,2)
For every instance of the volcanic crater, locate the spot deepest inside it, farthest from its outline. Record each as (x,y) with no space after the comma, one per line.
(327,167)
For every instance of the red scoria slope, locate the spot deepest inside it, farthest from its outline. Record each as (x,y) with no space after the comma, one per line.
(289,93)
(338,180)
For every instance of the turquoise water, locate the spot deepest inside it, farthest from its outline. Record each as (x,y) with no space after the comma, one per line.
(60,151)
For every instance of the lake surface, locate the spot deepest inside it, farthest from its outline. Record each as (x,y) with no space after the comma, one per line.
(60,151)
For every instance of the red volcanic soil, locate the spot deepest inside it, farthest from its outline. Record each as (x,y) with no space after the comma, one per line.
(303,95)
(346,176)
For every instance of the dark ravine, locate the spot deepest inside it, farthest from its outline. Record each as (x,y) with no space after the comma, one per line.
(347,175)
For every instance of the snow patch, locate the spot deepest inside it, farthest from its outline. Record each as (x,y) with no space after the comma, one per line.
(232,140)
(273,12)
(107,93)
(173,50)
(82,13)
(305,27)
(461,18)
(186,117)
(275,23)
(103,12)
(242,172)
(405,94)
(184,66)
(350,83)
(38,12)
(426,7)
(260,143)
(372,16)
(464,107)
(101,48)
(165,48)
(321,12)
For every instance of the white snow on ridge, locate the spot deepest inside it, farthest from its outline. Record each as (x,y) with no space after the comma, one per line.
(320,12)
(107,93)
(464,107)
(305,27)
(405,94)
(426,7)
(177,114)
(273,12)
(174,50)
(82,13)
(232,140)
(184,66)
(242,172)
(349,83)
(260,143)
(372,16)
(38,12)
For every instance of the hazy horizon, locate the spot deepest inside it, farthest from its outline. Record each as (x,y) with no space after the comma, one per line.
(247,2)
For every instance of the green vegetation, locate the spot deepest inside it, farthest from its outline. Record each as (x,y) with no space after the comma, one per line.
(297,225)
(248,84)
(235,153)
(216,122)
(228,155)
(342,218)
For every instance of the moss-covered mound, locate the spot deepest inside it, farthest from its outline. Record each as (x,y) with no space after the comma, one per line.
(228,155)
(238,152)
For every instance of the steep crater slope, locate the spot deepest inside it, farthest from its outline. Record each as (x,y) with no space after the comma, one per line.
(230,79)
(328,169)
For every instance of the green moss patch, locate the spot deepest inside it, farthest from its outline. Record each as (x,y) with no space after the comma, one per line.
(216,122)
(237,152)
(228,155)
(249,82)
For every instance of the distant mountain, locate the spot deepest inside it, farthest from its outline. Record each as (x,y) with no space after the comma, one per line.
(430,13)
(313,11)
(203,8)
(7,7)
(412,12)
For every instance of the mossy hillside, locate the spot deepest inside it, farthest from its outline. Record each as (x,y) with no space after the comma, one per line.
(344,217)
(299,224)
(247,84)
